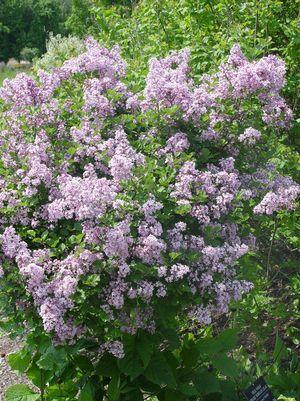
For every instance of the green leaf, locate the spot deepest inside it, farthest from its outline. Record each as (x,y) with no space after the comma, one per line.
(19,361)
(92,280)
(159,372)
(171,337)
(87,393)
(182,209)
(190,355)
(144,347)
(171,395)
(188,389)
(107,366)
(200,196)
(146,385)
(174,255)
(72,151)
(227,340)
(113,390)
(83,363)
(135,395)
(280,350)
(53,358)
(224,342)
(205,155)
(37,376)
(132,364)
(40,341)
(206,383)
(228,391)
(227,366)
(20,392)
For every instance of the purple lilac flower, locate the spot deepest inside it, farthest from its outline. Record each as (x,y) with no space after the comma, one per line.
(250,136)
(168,83)
(275,201)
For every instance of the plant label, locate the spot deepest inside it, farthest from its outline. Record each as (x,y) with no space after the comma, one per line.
(259,391)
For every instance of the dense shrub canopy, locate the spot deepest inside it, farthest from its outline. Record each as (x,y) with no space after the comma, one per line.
(116,205)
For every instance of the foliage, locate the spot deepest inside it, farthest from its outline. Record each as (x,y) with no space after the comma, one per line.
(128,222)
(59,49)
(29,53)
(27,24)
(80,19)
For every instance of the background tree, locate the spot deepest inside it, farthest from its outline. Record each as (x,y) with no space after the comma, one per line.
(28,23)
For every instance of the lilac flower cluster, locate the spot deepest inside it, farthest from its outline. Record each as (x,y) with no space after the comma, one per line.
(150,244)
(21,91)
(250,136)
(144,195)
(283,198)
(169,84)
(81,198)
(175,144)
(114,347)
(52,298)
(219,186)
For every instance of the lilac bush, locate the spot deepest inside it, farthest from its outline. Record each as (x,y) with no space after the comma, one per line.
(120,211)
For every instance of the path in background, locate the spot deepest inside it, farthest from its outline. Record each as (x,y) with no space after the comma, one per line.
(7,377)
